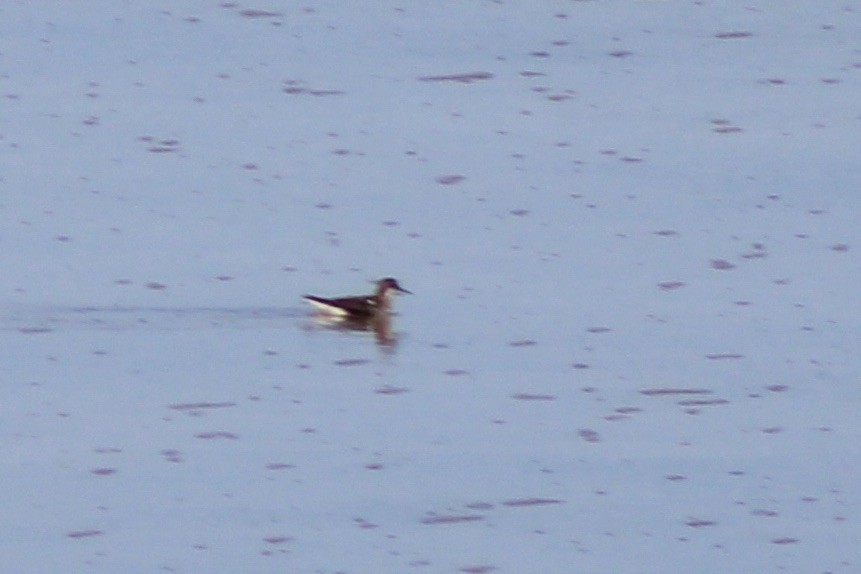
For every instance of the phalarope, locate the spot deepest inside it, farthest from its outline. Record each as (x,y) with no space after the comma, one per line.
(361,306)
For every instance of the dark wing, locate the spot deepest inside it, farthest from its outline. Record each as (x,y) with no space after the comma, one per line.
(359,306)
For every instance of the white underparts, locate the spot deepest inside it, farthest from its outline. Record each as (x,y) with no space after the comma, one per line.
(328,309)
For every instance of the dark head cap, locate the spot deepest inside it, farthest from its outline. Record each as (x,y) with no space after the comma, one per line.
(390,283)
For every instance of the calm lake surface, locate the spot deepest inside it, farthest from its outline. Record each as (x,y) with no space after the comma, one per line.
(631,234)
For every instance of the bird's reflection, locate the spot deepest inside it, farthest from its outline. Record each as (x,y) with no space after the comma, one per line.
(380,325)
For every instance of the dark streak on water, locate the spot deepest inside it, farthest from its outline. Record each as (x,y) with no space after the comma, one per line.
(253,13)
(699,523)
(172,455)
(666,392)
(721,264)
(351,362)
(598,330)
(34,330)
(589,435)
(531,501)
(724,356)
(452,179)
(277,539)
(465,78)
(734,35)
(702,402)
(478,569)
(390,390)
(216,435)
(451,519)
(198,406)
(784,540)
(84,533)
(533,397)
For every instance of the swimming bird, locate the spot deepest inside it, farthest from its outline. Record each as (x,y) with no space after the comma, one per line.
(360,307)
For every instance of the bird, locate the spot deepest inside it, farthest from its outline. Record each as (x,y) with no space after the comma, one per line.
(360,307)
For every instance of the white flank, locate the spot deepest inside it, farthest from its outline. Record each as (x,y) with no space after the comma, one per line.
(327,309)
